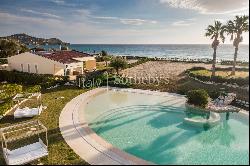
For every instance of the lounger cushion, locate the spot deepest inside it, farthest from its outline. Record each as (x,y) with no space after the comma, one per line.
(25,154)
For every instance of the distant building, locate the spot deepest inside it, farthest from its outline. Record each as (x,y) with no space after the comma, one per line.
(61,63)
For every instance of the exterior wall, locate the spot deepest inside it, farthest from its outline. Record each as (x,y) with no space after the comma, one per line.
(29,62)
(74,68)
(90,65)
(59,71)
(89,62)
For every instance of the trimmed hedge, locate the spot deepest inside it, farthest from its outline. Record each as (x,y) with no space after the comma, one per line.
(198,98)
(44,81)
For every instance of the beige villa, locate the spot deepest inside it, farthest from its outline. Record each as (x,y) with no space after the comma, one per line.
(61,63)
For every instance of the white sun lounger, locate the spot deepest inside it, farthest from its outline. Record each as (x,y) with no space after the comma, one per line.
(25,154)
(28,112)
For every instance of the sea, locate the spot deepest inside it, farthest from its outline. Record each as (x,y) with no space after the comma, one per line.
(190,51)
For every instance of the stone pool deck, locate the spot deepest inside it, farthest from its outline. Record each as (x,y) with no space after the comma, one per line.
(85,142)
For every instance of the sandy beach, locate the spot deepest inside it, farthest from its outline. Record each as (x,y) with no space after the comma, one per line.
(170,70)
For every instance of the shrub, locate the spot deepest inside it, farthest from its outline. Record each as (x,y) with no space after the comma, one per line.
(214,94)
(10,90)
(6,106)
(3,61)
(33,89)
(92,79)
(95,80)
(32,79)
(198,98)
(140,61)
(99,59)
(197,68)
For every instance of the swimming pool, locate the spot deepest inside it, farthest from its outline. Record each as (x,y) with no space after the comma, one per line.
(150,126)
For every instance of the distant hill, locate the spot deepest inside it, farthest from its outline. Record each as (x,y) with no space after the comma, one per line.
(30,40)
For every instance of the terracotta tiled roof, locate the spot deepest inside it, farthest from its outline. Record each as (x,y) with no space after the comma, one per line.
(65,57)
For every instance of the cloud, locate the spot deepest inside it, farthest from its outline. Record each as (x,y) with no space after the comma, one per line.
(136,21)
(8,17)
(181,23)
(83,13)
(66,30)
(84,32)
(127,21)
(106,18)
(186,22)
(81,31)
(59,2)
(210,6)
(64,3)
(40,13)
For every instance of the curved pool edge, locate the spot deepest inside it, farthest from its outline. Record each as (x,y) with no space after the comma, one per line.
(85,142)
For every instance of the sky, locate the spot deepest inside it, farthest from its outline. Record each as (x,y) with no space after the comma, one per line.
(119,21)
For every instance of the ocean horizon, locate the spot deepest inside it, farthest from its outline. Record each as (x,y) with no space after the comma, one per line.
(191,51)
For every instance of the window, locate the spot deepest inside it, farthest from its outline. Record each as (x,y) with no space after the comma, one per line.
(22,67)
(36,69)
(28,68)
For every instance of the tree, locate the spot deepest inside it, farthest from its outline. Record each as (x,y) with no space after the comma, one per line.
(216,32)
(10,48)
(64,48)
(105,57)
(235,28)
(104,53)
(118,63)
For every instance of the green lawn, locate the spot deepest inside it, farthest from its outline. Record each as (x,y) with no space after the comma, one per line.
(59,152)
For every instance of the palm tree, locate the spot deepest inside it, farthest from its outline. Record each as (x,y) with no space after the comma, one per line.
(216,32)
(235,28)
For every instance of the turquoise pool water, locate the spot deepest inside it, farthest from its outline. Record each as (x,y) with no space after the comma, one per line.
(151,127)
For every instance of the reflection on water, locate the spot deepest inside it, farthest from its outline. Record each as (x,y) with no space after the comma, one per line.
(118,97)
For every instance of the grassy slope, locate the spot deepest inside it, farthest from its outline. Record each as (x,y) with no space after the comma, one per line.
(59,152)
(187,84)
(224,74)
